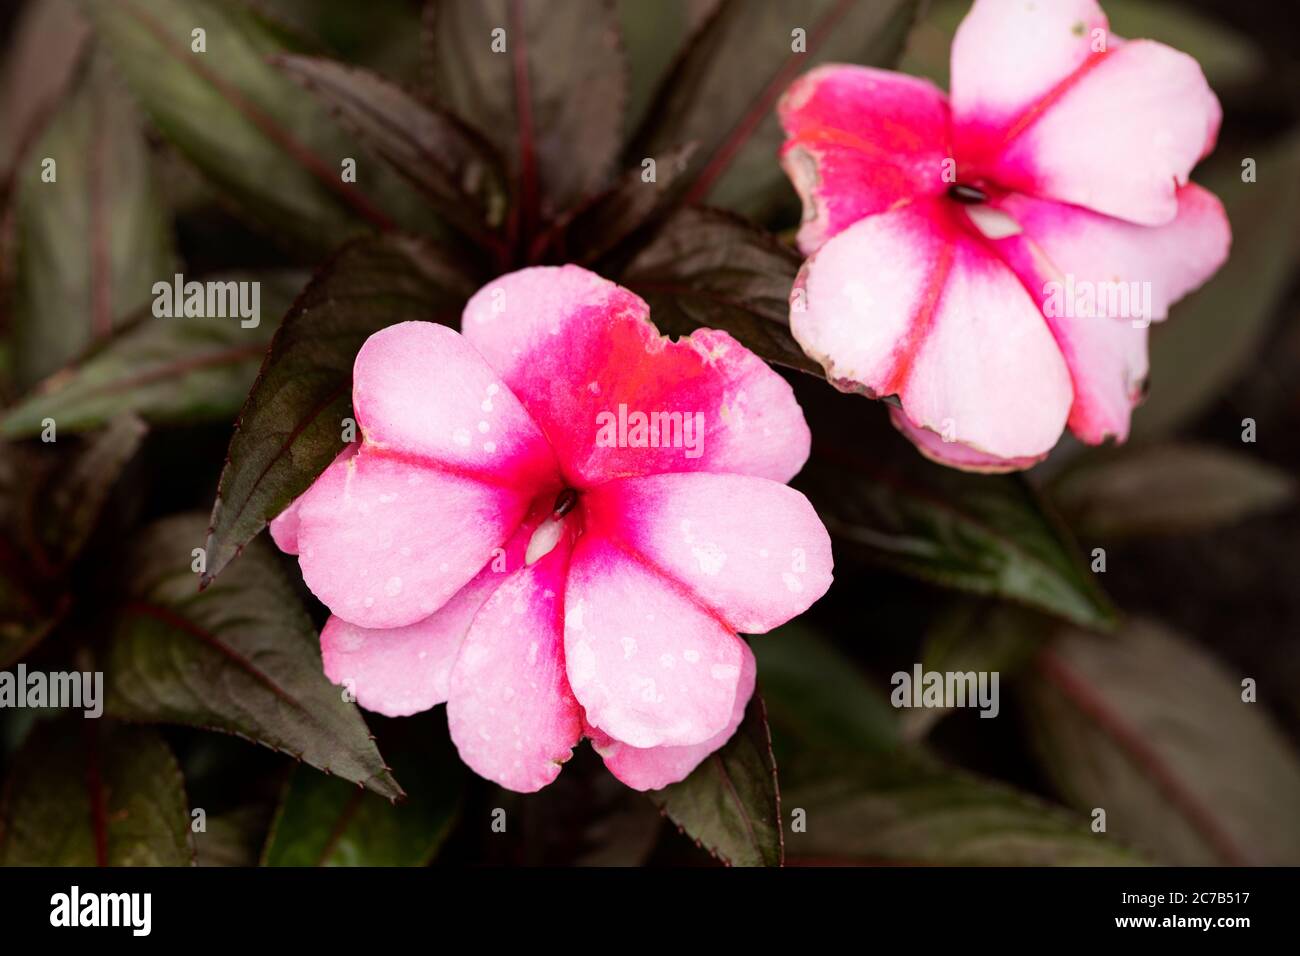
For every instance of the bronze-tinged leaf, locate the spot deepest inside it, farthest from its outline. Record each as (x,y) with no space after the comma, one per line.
(723,90)
(546,81)
(730,804)
(53,497)
(89,792)
(815,696)
(1168,488)
(324,821)
(45,45)
(653,34)
(29,605)
(1185,762)
(168,371)
(909,809)
(70,505)
(241,658)
(593,232)
(705,268)
(454,168)
(586,817)
(90,231)
(266,144)
(233,837)
(854,793)
(974,635)
(989,535)
(292,424)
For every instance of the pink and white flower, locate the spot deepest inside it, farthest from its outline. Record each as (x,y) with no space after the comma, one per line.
(937,227)
(480,546)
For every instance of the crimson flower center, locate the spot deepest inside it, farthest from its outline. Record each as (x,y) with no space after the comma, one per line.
(966,194)
(564,502)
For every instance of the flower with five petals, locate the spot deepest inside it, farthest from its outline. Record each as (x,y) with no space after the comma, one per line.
(494,543)
(943,231)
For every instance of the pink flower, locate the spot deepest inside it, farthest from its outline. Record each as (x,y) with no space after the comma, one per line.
(512,537)
(993,258)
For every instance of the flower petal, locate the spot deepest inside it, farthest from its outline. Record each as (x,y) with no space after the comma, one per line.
(656,767)
(284,526)
(582,356)
(399,671)
(510,711)
(1044,105)
(649,664)
(1130,273)
(1009,55)
(700,531)
(1108,367)
(1108,361)
(1166,262)
(421,389)
(385,541)
(859,141)
(953,453)
(939,321)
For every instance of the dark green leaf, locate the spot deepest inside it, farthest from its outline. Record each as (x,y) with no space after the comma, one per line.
(987,535)
(597,228)
(52,498)
(1167,488)
(323,821)
(45,44)
(72,503)
(90,792)
(265,143)
(984,635)
(730,804)
(242,657)
(817,698)
(23,622)
(291,426)
(856,794)
(454,168)
(92,243)
(623,834)
(652,35)
(232,838)
(552,102)
(167,371)
(378,34)
(710,269)
(908,809)
(724,90)
(27,611)
(1146,726)
(977,635)
(586,817)
(1210,338)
